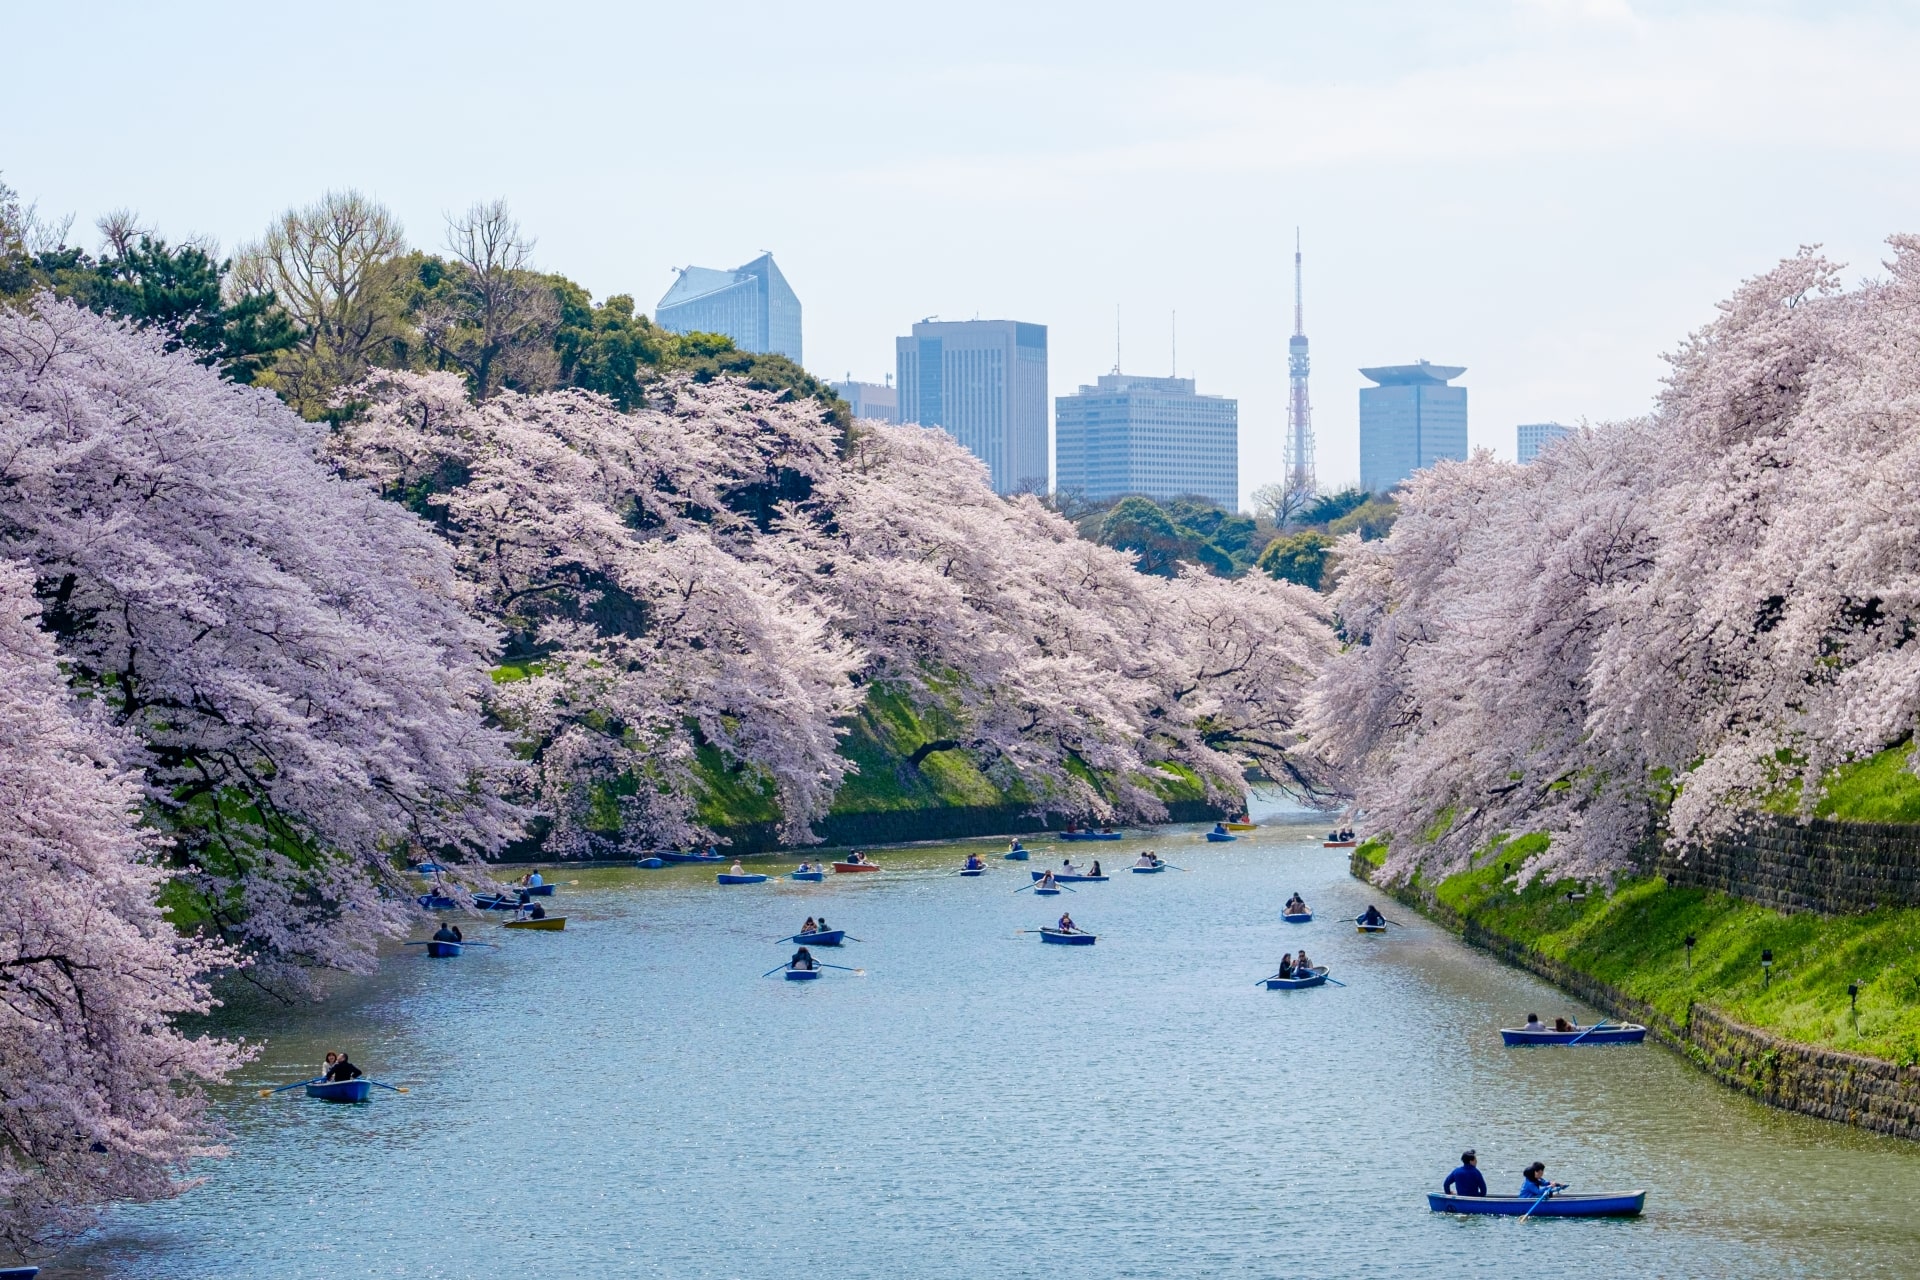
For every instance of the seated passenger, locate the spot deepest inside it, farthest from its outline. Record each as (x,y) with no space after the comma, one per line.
(1467,1180)
(1286,966)
(1301,965)
(1096,868)
(1561,1024)
(737,870)
(1534,1023)
(1146,859)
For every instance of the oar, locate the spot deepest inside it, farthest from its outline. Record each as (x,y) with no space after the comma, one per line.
(466,942)
(851,938)
(1169,864)
(1056,884)
(383,1085)
(1335,981)
(1542,1200)
(849,968)
(1589,1031)
(777,968)
(268,1093)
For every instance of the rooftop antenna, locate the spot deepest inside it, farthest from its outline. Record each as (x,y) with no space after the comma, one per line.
(1300,477)
(1173,338)
(1116,339)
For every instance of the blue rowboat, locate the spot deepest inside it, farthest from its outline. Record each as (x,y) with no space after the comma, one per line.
(539,890)
(443,950)
(425,869)
(669,856)
(973,871)
(1603,1204)
(18,1273)
(1089,835)
(1147,871)
(752,877)
(341,1090)
(1042,891)
(802,975)
(1297,917)
(1015,855)
(651,864)
(1220,837)
(1075,939)
(436,902)
(1071,877)
(496,902)
(1315,978)
(808,875)
(1619,1033)
(831,938)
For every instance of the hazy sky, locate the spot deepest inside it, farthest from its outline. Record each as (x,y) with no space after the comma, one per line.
(1549,192)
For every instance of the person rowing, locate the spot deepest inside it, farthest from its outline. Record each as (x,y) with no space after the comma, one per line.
(1148,859)
(1066,923)
(1302,967)
(533,880)
(737,870)
(1014,845)
(1467,1180)
(974,864)
(1534,1184)
(342,1070)
(854,859)
(1561,1024)
(1296,905)
(1218,829)
(1371,917)
(1046,881)
(802,959)
(803,868)
(808,927)
(446,933)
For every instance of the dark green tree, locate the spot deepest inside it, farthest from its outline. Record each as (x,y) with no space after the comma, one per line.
(1297,557)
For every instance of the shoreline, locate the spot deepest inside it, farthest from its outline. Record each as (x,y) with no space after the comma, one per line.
(1868,1093)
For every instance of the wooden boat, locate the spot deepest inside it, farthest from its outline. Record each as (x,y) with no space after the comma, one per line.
(751,877)
(539,890)
(1073,877)
(831,938)
(1297,917)
(1600,1204)
(1614,1033)
(1338,844)
(1015,855)
(443,950)
(1147,871)
(341,1090)
(802,975)
(808,875)
(1369,928)
(1074,939)
(496,902)
(545,922)
(436,902)
(1220,837)
(651,864)
(1316,977)
(856,866)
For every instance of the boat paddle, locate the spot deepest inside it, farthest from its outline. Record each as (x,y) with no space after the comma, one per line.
(383,1085)
(1589,1031)
(1551,1188)
(850,969)
(268,1093)
(466,942)
(1335,981)
(1056,884)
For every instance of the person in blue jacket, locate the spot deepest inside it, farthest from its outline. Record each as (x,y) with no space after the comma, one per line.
(1467,1180)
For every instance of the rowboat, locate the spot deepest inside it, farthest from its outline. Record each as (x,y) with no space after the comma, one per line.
(1297,917)
(1075,939)
(1618,1033)
(1072,877)
(1338,844)
(651,864)
(751,877)
(1015,855)
(831,938)
(545,922)
(856,866)
(808,875)
(669,856)
(422,868)
(1601,1204)
(1147,871)
(496,902)
(1315,977)
(802,975)
(1089,835)
(18,1273)
(540,890)
(1369,928)
(973,871)
(1220,837)
(436,902)
(341,1090)
(1044,891)
(443,950)
(1241,826)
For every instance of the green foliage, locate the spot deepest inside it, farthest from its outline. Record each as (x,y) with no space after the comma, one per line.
(1633,940)
(1297,557)
(1328,507)
(1371,519)
(1165,535)
(1881,788)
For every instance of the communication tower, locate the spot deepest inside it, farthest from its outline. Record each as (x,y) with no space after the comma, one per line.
(1299,409)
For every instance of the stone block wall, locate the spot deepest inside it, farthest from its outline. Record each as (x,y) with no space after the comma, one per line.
(1824,866)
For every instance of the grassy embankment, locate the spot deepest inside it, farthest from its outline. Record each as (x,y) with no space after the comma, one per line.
(1633,940)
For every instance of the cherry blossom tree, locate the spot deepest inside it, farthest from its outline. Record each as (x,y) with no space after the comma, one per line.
(294,656)
(101,1098)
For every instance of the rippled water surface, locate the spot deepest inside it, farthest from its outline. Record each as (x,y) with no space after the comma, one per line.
(631,1098)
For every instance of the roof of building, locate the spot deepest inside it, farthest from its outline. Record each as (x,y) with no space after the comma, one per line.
(1419,373)
(699,282)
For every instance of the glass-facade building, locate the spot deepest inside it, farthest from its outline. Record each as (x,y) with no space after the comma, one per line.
(876,400)
(1409,421)
(752,304)
(1531,437)
(985,383)
(1154,437)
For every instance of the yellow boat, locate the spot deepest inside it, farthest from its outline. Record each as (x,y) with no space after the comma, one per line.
(545,922)
(1241,826)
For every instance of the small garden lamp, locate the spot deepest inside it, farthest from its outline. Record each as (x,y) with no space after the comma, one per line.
(1690,940)
(1853,999)
(1766,965)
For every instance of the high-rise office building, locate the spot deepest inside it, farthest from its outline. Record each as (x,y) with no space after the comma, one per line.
(1152,436)
(880,400)
(985,382)
(752,304)
(1411,420)
(1531,437)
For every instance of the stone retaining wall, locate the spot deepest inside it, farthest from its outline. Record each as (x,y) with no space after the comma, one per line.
(1868,1093)
(1825,866)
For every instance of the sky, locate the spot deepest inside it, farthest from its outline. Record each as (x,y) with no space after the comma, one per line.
(1549,192)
